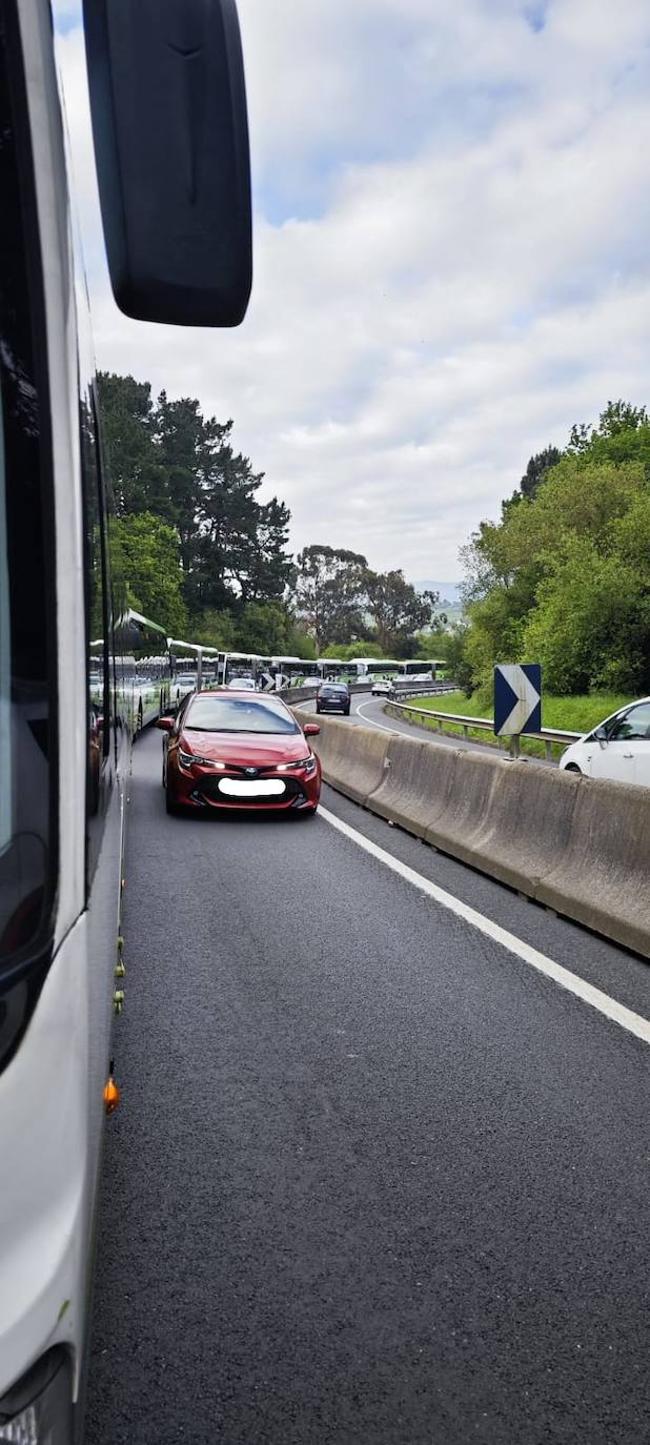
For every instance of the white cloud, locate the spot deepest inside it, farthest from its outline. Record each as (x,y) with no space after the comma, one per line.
(451,257)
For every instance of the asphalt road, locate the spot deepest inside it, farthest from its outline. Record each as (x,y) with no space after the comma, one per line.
(373,1179)
(367,711)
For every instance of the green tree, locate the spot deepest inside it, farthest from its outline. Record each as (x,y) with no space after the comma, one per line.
(145,555)
(135,466)
(397,610)
(590,511)
(330,593)
(591,627)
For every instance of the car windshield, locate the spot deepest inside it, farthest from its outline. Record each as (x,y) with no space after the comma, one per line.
(239,715)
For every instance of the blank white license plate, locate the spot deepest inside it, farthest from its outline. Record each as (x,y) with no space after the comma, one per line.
(260,788)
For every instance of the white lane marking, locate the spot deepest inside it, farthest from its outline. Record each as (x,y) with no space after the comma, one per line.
(360,713)
(617,1012)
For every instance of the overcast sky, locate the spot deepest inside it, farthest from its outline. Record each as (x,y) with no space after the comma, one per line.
(451,256)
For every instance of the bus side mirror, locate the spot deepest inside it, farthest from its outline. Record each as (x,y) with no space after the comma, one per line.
(170,128)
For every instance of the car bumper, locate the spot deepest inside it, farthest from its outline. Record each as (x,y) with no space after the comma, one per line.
(202,792)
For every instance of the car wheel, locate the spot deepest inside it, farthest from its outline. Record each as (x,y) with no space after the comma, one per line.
(346,712)
(573,768)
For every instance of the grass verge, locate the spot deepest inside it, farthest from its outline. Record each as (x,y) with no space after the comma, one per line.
(576,714)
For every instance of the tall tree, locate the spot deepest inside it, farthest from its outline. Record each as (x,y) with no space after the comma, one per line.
(136,468)
(397,610)
(331,593)
(145,555)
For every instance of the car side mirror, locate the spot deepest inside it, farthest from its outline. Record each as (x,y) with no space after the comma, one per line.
(168,105)
(165,724)
(311,730)
(601,735)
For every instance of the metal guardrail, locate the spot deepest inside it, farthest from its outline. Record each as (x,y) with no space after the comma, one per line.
(548,736)
(424,689)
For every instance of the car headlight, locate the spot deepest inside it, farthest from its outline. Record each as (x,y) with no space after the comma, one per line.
(38,1410)
(186,760)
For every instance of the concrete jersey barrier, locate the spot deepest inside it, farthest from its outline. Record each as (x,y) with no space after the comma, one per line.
(579,846)
(353,759)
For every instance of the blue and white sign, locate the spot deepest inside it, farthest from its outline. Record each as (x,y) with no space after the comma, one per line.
(517,698)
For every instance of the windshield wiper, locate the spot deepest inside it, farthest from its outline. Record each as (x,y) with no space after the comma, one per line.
(257,732)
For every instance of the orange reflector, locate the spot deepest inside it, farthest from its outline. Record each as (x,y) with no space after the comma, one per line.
(111,1096)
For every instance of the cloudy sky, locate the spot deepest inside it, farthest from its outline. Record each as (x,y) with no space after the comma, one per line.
(452,259)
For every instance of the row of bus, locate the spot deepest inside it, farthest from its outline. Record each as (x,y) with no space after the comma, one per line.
(153,670)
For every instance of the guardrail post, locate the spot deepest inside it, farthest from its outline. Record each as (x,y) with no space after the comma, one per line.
(514,745)
(548,748)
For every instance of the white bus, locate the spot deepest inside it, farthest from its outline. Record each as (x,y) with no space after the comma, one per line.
(419,671)
(245,664)
(65,724)
(367,668)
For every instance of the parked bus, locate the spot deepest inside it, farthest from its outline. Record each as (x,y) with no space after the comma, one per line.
(65,719)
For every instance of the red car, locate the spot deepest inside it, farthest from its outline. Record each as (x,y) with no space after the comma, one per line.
(239,750)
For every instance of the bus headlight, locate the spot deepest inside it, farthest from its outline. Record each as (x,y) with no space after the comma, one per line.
(38,1410)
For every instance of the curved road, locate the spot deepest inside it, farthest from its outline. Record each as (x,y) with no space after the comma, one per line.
(368,711)
(374,1179)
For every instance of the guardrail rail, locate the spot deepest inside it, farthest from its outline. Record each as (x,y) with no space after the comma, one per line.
(548,736)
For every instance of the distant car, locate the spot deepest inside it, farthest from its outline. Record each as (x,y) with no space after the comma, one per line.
(235,750)
(242,684)
(382,687)
(184,682)
(333,697)
(311,682)
(619,749)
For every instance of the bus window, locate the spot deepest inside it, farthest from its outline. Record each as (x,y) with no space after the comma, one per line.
(98,624)
(27,673)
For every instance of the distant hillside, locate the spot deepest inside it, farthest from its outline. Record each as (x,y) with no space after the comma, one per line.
(449,591)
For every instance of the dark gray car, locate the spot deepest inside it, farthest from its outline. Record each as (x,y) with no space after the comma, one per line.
(333,697)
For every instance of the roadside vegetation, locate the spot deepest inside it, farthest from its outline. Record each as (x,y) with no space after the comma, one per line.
(563,578)
(580,714)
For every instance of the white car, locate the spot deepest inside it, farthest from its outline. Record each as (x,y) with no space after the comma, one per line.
(619,749)
(382,687)
(242,684)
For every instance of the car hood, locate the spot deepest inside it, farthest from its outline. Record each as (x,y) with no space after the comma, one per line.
(251,749)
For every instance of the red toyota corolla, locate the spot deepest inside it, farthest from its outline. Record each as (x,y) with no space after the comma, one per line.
(239,750)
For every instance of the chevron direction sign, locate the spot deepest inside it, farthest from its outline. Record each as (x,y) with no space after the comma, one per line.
(517,698)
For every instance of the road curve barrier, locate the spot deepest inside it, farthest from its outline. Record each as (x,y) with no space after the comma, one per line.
(353,764)
(579,846)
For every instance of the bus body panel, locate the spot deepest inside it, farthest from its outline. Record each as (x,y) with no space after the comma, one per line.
(51,1090)
(61,341)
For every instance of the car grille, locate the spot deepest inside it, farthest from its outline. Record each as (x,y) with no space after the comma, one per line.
(210,789)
